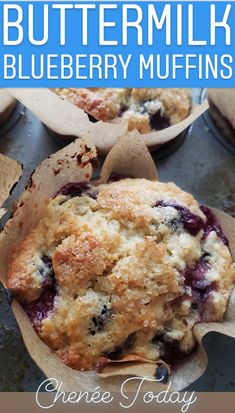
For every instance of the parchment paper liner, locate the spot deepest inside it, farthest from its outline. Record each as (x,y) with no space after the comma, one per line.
(32,204)
(7,105)
(10,173)
(66,119)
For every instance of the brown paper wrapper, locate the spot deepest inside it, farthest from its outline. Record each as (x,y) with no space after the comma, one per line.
(2,212)
(66,119)
(10,173)
(33,202)
(129,157)
(69,121)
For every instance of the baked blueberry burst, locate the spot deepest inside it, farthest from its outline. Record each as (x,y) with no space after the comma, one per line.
(125,268)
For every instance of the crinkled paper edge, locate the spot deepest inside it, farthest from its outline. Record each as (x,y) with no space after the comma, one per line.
(7,105)
(68,120)
(10,173)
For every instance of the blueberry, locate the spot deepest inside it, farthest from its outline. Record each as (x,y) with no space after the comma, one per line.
(194,277)
(174,224)
(123,108)
(74,189)
(47,271)
(194,274)
(162,374)
(170,350)
(117,352)
(205,256)
(47,260)
(41,307)
(114,177)
(212,225)
(99,322)
(158,121)
(193,223)
(104,310)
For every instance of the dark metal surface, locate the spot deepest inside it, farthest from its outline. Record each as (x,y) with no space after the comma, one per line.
(200,165)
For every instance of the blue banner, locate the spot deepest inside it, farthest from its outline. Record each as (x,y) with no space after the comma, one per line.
(117,44)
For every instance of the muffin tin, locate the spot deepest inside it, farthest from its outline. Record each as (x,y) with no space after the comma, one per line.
(198,164)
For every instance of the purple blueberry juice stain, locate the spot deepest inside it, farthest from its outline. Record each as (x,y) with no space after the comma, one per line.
(212,225)
(123,108)
(76,189)
(191,222)
(158,121)
(194,277)
(40,308)
(115,177)
(169,348)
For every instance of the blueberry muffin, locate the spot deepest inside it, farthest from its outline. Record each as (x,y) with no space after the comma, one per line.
(124,268)
(143,109)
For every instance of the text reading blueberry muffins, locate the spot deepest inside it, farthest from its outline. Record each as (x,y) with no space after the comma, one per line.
(124,268)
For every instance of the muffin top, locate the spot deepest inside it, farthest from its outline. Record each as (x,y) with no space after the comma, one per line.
(144,109)
(122,268)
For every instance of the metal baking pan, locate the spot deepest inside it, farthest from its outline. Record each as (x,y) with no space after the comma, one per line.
(198,164)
